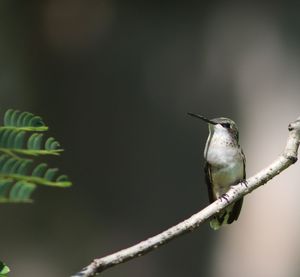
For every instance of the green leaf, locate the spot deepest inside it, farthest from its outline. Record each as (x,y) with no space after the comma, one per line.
(18,180)
(51,144)
(4,137)
(24,120)
(24,167)
(40,170)
(50,173)
(9,164)
(36,121)
(35,141)
(7,117)
(21,191)
(5,186)
(20,138)
(62,178)
(4,269)
(3,159)
(15,139)
(14,118)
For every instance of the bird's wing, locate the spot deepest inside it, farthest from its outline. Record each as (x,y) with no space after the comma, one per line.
(236,209)
(208,180)
(244,162)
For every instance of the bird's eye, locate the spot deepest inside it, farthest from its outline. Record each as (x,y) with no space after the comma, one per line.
(226,125)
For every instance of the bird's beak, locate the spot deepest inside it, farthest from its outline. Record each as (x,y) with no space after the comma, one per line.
(203,118)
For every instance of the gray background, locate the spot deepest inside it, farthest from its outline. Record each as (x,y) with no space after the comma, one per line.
(114,81)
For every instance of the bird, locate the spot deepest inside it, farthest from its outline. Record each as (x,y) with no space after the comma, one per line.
(224,166)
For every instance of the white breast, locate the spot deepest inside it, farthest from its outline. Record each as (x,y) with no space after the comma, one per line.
(225,159)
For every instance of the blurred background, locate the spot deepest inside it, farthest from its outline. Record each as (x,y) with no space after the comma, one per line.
(114,81)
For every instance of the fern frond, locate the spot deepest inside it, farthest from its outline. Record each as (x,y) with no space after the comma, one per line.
(23,121)
(15,192)
(20,169)
(21,137)
(16,140)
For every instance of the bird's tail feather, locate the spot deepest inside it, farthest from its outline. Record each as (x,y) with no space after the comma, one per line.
(227,216)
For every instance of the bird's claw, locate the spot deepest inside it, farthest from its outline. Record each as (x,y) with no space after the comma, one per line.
(245,183)
(225,197)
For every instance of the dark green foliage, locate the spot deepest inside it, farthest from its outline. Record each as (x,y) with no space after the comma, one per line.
(24,120)
(17,140)
(20,138)
(3,269)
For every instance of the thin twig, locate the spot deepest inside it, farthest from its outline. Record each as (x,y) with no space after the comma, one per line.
(287,158)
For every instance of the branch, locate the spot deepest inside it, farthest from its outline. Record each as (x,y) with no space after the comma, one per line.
(287,158)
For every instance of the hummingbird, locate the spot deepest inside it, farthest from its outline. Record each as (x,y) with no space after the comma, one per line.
(224,166)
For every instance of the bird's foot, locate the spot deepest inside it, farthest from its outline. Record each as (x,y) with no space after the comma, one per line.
(244,182)
(225,197)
